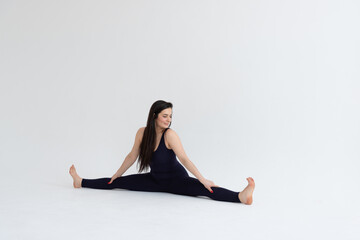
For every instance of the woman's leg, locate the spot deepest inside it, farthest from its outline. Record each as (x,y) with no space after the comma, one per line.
(183,185)
(135,182)
(193,187)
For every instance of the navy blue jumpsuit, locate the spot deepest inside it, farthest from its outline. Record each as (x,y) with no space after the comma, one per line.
(166,175)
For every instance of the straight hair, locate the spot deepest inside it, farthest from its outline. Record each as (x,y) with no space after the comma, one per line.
(148,141)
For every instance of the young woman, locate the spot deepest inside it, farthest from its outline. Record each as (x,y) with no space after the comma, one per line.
(157,146)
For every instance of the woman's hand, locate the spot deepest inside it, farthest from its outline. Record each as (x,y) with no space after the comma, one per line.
(115,176)
(208,184)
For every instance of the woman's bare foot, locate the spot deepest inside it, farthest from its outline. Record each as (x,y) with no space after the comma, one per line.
(246,195)
(75,176)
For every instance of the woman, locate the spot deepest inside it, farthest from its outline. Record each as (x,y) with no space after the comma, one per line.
(157,146)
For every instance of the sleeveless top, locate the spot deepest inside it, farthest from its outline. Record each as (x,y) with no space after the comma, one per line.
(163,162)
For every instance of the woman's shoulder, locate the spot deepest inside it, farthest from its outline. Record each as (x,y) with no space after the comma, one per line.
(142,129)
(140,132)
(170,131)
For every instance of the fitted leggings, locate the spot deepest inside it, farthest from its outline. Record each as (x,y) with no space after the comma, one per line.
(185,185)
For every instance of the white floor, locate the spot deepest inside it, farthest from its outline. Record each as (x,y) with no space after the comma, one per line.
(55,210)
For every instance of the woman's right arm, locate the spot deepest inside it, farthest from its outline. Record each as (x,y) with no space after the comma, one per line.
(132,156)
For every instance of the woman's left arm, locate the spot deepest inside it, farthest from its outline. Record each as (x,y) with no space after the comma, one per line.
(176,146)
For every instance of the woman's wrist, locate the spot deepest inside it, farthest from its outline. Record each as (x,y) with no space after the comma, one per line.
(202,179)
(118,173)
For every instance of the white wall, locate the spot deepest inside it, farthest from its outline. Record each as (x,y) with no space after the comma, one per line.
(268,89)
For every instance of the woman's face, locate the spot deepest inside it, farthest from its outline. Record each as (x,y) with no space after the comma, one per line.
(164,118)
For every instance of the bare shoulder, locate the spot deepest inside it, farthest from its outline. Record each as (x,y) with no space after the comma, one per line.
(135,151)
(175,145)
(172,135)
(140,132)
(170,132)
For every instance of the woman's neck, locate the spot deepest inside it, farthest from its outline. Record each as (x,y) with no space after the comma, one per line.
(159,131)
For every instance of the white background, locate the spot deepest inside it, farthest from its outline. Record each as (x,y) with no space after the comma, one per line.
(268,89)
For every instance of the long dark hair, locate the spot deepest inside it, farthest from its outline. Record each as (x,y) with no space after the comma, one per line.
(148,141)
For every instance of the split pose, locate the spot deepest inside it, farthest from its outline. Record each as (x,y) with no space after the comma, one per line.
(157,147)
